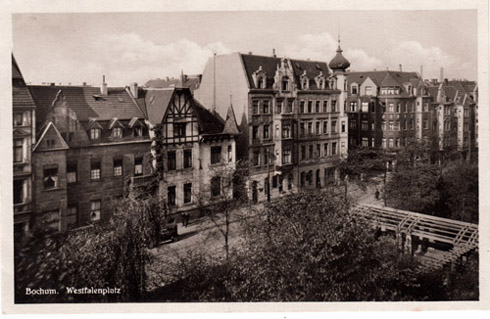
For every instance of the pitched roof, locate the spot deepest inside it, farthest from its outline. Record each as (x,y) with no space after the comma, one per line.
(21,97)
(210,123)
(385,78)
(388,80)
(87,102)
(269,65)
(231,126)
(156,103)
(50,130)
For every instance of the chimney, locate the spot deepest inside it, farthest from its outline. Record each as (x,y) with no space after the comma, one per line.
(84,83)
(134,89)
(51,84)
(421,72)
(168,78)
(103,89)
(250,52)
(441,77)
(446,82)
(400,66)
(274,52)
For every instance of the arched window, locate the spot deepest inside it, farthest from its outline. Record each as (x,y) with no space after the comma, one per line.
(261,82)
(305,83)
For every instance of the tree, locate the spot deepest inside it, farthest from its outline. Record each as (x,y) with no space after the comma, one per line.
(223,197)
(101,255)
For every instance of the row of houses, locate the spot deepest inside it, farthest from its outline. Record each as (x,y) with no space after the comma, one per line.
(78,148)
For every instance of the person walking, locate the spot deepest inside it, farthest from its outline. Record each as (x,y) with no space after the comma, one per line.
(377,194)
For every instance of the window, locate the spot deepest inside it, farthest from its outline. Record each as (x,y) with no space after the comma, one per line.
(230,153)
(274,181)
(187,158)
(334,103)
(353,106)
(290,181)
(397,142)
(50,177)
(372,126)
(255,132)
(279,106)
(303,152)
(354,89)
(302,107)
(466,127)
(171,196)
(215,186)
(383,143)
(334,148)
(426,107)
(117,132)
(187,193)
(261,82)
(71,172)
(325,106)
(286,156)
(317,106)
(310,106)
(391,126)
(310,151)
(364,125)
(289,106)
(95,210)
(343,126)
(325,127)
(215,154)
(302,128)
(118,163)
(18,151)
(138,166)
(285,83)
(304,83)
(266,131)
(334,127)
(51,219)
(391,107)
(411,125)
(72,215)
(95,170)
(179,129)
(466,112)
(318,150)
(325,149)
(367,90)
(352,124)
(372,107)
(18,119)
(256,158)
(286,131)
(317,127)
(365,141)
(309,177)
(266,156)
(171,161)
(18,191)
(426,124)
(310,127)
(95,133)
(398,108)
(265,107)
(383,125)
(365,107)
(390,143)
(255,107)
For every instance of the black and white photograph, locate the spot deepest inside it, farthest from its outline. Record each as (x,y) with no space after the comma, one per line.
(245,155)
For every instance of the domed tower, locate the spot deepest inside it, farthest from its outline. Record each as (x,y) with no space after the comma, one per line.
(339,63)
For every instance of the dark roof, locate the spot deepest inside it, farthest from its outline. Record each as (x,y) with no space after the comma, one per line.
(21,97)
(87,102)
(339,62)
(210,123)
(156,103)
(269,65)
(385,78)
(231,126)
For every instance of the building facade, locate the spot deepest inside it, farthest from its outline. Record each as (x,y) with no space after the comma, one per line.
(24,137)
(194,148)
(93,145)
(292,116)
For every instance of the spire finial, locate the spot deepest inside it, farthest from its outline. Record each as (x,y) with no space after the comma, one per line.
(338,38)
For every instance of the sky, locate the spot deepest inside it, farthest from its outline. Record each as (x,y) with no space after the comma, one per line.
(136,47)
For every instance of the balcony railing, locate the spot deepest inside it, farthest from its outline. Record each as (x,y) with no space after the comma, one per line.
(137,181)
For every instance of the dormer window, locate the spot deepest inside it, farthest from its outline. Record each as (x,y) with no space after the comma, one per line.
(285,84)
(259,78)
(95,133)
(320,82)
(354,88)
(117,132)
(138,131)
(305,81)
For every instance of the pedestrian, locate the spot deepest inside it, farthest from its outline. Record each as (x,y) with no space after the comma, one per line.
(377,194)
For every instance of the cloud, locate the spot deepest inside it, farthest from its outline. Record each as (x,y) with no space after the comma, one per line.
(412,55)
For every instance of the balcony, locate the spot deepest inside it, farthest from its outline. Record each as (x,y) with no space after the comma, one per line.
(143,180)
(22,208)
